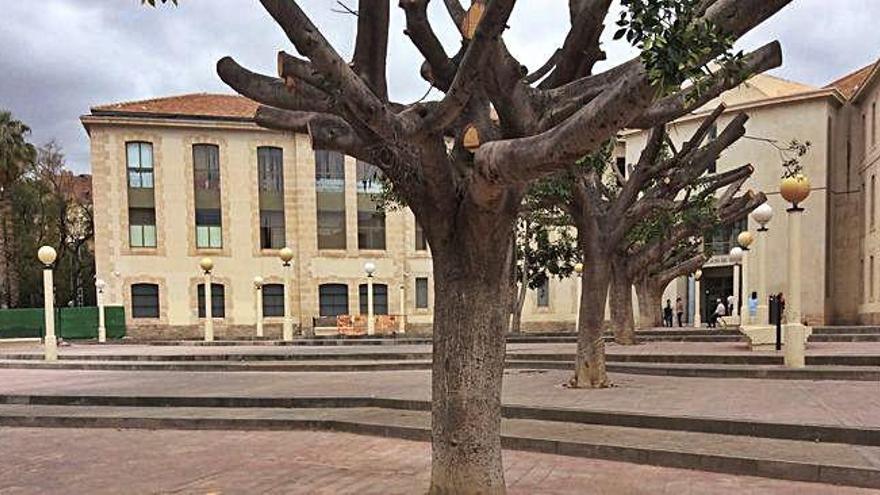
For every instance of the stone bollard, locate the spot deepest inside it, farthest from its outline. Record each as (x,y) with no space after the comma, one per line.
(795,343)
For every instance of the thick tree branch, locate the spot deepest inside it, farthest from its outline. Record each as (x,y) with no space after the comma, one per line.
(418,28)
(371,45)
(672,107)
(581,50)
(339,77)
(472,67)
(273,91)
(326,131)
(525,159)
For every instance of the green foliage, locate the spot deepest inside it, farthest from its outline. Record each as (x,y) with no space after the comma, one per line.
(676,42)
(15,151)
(46,212)
(792,155)
(544,248)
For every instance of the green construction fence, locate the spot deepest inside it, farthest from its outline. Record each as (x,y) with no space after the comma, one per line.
(70,323)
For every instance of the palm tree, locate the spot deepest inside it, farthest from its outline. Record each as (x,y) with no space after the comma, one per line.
(15,154)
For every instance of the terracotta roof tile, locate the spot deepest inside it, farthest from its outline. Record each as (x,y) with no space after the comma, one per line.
(199,105)
(850,84)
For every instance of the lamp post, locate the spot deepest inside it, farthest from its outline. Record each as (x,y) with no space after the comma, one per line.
(99,293)
(258,296)
(736,256)
(401,325)
(745,239)
(47,256)
(369,269)
(286,255)
(794,189)
(698,317)
(762,215)
(207,264)
(579,270)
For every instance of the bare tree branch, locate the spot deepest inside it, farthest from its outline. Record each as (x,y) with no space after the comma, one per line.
(272,91)
(371,45)
(580,51)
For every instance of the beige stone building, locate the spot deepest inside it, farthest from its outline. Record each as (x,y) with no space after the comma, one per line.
(839,245)
(180,178)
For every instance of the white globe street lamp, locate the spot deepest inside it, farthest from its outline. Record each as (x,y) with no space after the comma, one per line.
(736,256)
(207,264)
(286,256)
(99,293)
(579,270)
(47,256)
(258,296)
(370,269)
(698,317)
(762,215)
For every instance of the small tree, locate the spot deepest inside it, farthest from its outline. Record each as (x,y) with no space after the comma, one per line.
(16,153)
(545,249)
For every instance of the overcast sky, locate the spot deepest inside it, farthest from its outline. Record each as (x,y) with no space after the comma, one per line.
(60,57)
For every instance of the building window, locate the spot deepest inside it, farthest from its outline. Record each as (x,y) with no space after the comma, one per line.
(371,218)
(142,227)
(330,190)
(543,294)
(422,292)
(380,299)
(713,135)
(270,171)
(421,241)
(218,298)
(723,239)
(871,279)
(273,300)
(874,123)
(333,299)
(206,180)
(873,200)
(144,301)
(140,165)
(141,195)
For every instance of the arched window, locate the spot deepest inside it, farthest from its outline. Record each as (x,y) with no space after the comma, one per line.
(333,299)
(273,300)
(144,301)
(380,299)
(218,301)
(873,200)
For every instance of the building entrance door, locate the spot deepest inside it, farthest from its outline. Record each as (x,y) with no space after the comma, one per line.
(717,283)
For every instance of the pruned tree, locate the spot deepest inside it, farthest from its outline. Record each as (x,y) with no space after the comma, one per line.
(463,168)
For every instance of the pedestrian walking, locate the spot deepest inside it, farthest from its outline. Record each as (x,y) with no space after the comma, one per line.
(679,311)
(667,314)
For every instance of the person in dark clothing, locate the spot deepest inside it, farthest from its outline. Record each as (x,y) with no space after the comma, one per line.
(679,311)
(667,314)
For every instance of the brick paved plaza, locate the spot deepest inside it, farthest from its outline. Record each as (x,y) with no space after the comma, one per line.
(62,461)
(123,416)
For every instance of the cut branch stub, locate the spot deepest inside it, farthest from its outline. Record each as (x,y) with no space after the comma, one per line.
(472,19)
(471,138)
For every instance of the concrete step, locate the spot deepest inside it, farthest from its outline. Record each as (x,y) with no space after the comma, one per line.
(868,436)
(612,357)
(772,372)
(833,463)
(830,330)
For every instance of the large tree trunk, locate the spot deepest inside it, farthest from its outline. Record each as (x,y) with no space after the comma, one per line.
(471,280)
(590,361)
(622,315)
(650,303)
